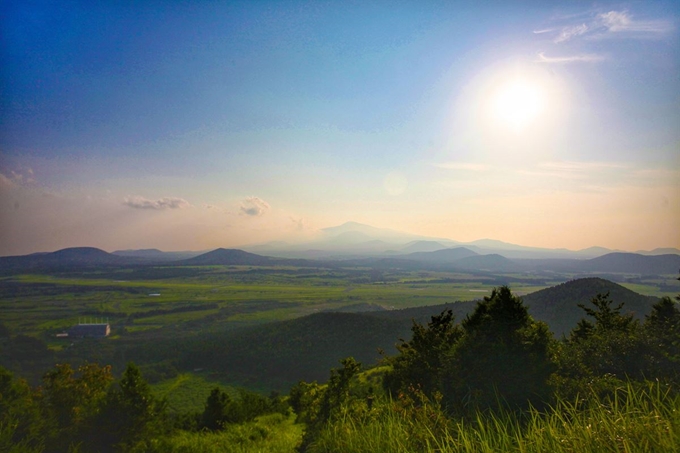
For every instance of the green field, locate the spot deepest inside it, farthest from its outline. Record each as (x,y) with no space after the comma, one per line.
(189,299)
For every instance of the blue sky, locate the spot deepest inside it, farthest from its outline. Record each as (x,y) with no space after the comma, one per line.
(194,125)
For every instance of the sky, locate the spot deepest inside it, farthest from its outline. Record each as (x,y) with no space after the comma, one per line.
(194,125)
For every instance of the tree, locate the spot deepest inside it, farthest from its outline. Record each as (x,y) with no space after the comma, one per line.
(421,360)
(215,413)
(502,357)
(131,411)
(603,350)
(662,331)
(22,426)
(335,397)
(71,403)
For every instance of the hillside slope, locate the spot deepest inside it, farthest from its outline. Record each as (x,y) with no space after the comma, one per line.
(557,306)
(300,349)
(63,259)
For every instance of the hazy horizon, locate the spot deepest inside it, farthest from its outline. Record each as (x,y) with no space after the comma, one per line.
(194,126)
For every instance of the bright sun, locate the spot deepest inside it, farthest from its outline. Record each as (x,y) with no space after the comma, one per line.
(517,104)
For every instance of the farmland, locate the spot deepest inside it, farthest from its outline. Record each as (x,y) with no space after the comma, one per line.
(198,298)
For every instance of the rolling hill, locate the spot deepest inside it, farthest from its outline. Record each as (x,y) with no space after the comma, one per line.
(64,259)
(300,349)
(634,263)
(444,255)
(228,257)
(557,306)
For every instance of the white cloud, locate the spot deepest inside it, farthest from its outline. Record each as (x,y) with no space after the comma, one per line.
(254,207)
(582,58)
(622,21)
(569,32)
(138,202)
(610,24)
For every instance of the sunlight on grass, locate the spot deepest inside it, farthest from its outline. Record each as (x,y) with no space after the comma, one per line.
(642,420)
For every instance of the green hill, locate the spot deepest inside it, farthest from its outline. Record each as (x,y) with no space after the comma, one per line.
(282,353)
(557,306)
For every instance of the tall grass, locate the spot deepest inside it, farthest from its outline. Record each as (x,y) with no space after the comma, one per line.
(270,433)
(632,420)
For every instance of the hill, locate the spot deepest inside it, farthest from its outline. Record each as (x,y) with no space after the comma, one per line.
(282,353)
(443,255)
(422,246)
(156,255)
(228,257)
(557,306)
(492,262)
(68,258)
(634,263)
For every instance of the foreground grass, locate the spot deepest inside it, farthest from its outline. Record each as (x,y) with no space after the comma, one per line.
(270,433)
(643,420)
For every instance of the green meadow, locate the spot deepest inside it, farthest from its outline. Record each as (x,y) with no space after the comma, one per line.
(190,299)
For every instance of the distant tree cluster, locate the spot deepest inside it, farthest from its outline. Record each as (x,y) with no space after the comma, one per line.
(85,410)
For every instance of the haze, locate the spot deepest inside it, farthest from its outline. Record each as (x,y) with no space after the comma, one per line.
(196,125)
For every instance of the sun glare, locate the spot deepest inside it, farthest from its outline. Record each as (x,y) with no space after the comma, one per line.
(517,104)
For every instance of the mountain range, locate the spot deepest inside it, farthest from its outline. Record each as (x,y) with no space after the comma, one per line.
(452,259)
(355,244)
(353,240)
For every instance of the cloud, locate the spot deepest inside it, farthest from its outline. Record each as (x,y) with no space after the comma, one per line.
(569,32)
(160,204)
(17,178)
(622,21)
(582,58)
(610,24)
(254,207)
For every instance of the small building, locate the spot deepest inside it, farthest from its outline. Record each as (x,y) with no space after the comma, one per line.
(89,331)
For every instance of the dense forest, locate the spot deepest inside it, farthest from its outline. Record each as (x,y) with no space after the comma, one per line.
(493,381)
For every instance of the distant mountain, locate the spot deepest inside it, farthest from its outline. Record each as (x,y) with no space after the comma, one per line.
(611,263)
(422,246)
(228,257)
(355,240)
(492,263)
(445,255)
(660,251)
(366,231)
(633,263)
(156,255)
(594,252)
(64,258)
(557,306)
(236,257)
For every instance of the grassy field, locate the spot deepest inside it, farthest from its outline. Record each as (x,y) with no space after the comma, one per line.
(192,298)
